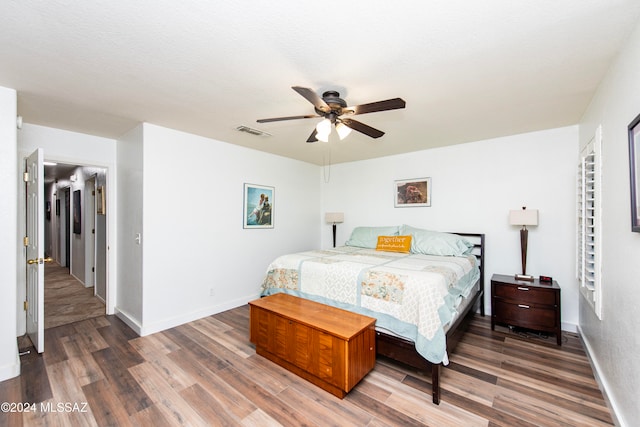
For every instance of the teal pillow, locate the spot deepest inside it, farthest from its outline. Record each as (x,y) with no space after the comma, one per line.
(436,243)
(367,237)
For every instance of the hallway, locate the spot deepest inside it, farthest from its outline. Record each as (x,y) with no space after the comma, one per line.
(66,300)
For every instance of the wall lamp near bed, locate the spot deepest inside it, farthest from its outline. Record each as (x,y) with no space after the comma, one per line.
(334,218)
(524,217)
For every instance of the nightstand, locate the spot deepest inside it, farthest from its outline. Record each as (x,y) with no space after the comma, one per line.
(532,305)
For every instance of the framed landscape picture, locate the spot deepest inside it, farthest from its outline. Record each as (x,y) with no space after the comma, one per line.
(258,206)
(414,192)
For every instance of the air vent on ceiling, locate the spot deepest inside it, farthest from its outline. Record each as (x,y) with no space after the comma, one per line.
(252,131)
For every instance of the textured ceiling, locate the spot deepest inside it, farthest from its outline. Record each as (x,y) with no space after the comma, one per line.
(468,70)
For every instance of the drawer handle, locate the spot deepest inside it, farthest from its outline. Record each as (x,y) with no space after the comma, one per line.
(520,288)
(523,306)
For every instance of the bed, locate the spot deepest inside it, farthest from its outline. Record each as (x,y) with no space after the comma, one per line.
(422,287)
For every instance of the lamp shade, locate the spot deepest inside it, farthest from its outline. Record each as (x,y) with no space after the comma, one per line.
(323,129)
(523,217)
(334,217)
(343,130)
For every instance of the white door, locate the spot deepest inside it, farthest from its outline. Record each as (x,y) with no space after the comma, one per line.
(35,249)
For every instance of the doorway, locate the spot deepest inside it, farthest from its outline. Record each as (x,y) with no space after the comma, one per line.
(70,281)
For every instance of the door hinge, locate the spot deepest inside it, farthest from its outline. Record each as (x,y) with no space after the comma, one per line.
(25,176)
(93,269)
(26,305)
(93,193)
(25,240)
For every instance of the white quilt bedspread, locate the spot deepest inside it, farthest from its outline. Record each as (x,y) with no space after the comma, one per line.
(411,295)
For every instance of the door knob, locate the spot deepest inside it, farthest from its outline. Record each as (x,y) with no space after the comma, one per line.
(39,260)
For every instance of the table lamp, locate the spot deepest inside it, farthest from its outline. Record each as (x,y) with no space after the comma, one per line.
(334,218)
(524,217)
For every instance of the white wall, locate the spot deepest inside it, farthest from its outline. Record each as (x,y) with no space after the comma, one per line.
(130,208)
(72,148)
(474,187)
(614,341)
(9,360)
(198,258)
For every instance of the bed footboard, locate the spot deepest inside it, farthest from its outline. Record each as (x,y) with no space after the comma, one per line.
(404,351)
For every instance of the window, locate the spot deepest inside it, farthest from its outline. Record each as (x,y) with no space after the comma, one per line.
(589,223)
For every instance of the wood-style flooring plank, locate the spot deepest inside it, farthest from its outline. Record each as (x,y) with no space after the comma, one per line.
(230,400)
(269,403)
(416,404)
(54,351)
(151,416)
(34,379)
(207,407)
(88,336)
(260,418)
(11,392)
(119,343)
(594,408)
(165,397)
(67,396)
(85,369)
(128,390)
(107,408)
(383,413)
(66,300)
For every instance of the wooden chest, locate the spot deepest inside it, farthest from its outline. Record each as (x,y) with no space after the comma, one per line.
(332,348)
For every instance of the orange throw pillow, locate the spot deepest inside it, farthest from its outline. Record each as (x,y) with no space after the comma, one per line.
(394,243)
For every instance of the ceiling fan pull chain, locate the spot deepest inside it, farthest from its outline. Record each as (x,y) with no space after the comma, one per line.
(327,176)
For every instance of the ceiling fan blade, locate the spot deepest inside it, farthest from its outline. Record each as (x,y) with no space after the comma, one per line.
(277,119)
(362,128)
(312,137)
(312,97)
(389,104)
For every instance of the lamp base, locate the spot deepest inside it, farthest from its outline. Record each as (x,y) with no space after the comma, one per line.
(334,234)
(524,277)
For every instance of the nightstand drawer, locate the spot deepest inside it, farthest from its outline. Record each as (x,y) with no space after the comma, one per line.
(524,315)
(525,294)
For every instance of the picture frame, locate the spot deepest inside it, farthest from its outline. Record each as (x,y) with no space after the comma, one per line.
(77,213)
(258,207)
(634,153)
(101,207)
(415,192)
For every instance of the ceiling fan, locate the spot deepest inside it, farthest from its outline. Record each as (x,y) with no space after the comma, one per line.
(333,109)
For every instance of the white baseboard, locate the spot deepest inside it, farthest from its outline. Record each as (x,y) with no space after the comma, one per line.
(602,382)
(195,315)
(78,279)
(569,327)
(131,321)
(172,322)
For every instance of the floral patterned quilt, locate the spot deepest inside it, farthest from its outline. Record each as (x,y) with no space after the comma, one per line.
(411,295)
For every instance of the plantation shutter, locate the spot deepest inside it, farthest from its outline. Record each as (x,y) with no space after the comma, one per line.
(589,199)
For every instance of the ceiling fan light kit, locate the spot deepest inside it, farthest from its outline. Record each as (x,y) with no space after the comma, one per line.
(323,129)
(343,130)
(331,108)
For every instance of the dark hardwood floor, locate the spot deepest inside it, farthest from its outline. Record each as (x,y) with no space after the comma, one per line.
(98,372)
(66,300)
